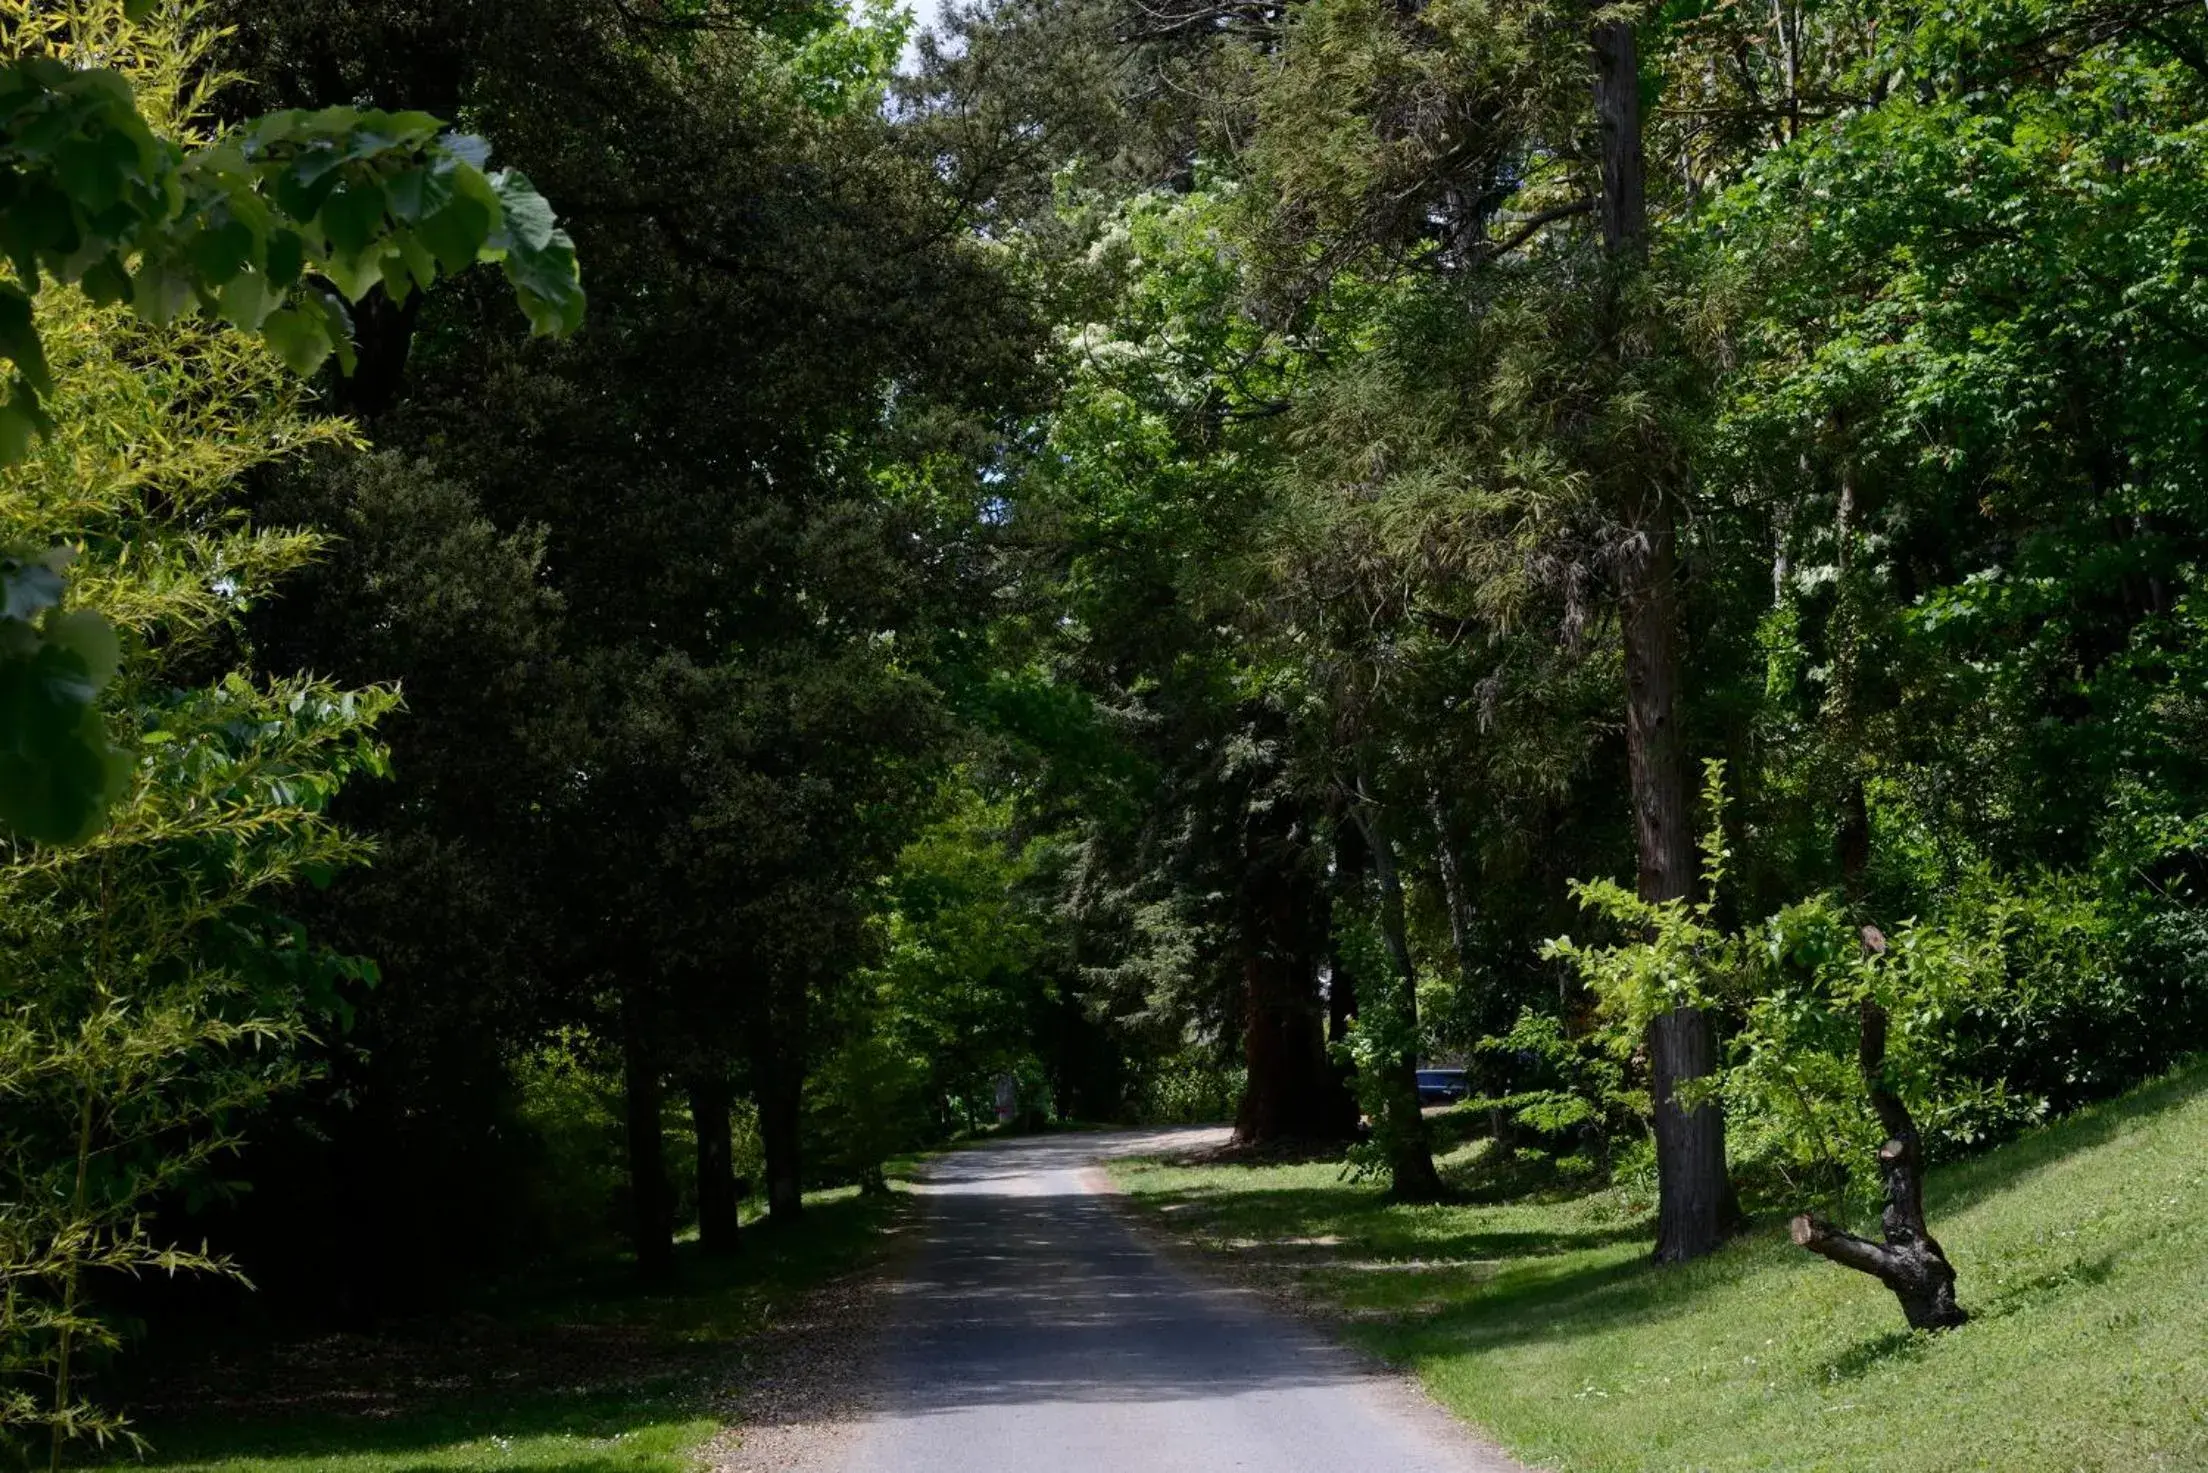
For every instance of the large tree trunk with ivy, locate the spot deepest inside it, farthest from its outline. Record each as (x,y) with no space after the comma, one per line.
(1487,1074)
(1410,1155)
(1292,1092)
(712,1113)
(651,1195)
(1910,1261)
(1341,987)
(1844,710)
(1695,1204)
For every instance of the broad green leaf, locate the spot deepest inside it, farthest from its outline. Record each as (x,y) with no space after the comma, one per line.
(58,769)
(469,149)
(352,216)
(246,300)
(418,193)
(528,217)
(19,425)
(222,252)
(302,189)
(398,282)
(286,256)
(28,588)
(355,275)
(107,282)
(548,285)
(19,338)
(160,290)
(419,262)
(298,339)
(90,638)
(456,233)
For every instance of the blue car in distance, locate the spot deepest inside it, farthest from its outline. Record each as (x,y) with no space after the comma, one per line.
(1442,1086)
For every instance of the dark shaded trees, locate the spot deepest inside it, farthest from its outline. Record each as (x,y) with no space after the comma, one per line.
(750,502)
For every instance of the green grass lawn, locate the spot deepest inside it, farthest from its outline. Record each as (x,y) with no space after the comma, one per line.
(591,1375)
(2082,1250)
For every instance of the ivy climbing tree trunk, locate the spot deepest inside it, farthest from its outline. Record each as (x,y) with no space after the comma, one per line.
(1410,1154)
(1453,892)
(712,1112)
(1695,1205)
(1844,720)
(1341,987)
(1910,1261)
(1487,1074)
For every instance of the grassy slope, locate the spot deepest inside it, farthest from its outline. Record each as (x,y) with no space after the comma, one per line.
(2083,1253)
(593,1377)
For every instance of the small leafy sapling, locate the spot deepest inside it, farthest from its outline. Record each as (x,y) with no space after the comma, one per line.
(1910,1260)
(1792,983)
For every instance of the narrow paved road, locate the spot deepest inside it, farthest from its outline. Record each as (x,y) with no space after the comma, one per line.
(1036,1332)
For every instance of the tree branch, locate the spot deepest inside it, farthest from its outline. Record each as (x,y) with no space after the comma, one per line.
(1841,1246)
(1532,225)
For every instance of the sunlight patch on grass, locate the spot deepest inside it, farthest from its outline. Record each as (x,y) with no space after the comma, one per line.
(2083,1254)
(334,1446)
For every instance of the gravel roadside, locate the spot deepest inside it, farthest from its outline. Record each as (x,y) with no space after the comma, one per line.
(801,1386)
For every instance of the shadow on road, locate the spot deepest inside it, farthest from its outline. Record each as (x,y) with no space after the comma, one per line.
(1029,1287)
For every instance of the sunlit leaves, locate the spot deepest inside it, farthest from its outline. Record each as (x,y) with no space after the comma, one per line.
(153,1001)
(273,229)
(356,198)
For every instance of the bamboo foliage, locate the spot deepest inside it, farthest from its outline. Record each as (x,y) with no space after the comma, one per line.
(150,997)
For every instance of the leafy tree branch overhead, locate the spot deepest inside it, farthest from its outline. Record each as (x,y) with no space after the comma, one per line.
(274,228)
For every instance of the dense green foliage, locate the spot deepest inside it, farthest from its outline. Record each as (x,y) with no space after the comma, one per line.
(272,227)
(1147,562)
(153,999)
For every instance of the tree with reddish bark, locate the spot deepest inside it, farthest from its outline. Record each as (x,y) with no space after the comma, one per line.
(1292,1092)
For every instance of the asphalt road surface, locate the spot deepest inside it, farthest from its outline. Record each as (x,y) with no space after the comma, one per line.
(1035,1331)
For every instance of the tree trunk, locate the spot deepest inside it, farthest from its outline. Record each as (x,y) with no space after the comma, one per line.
(1292,1093)
(1844,721)
(1618,116)
(1410,1154)
(651,1195)
(781,1109)
(1485,1074)
(1695,1203)
(1453,891)
(1341,987)
(1695,1207)
(712,1104)
(1350,864)
(1662,824)
(1910,1261)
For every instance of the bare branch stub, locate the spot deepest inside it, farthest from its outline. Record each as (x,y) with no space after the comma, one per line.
(1910,1261)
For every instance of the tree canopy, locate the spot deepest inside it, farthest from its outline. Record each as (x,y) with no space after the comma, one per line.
(1134,561)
